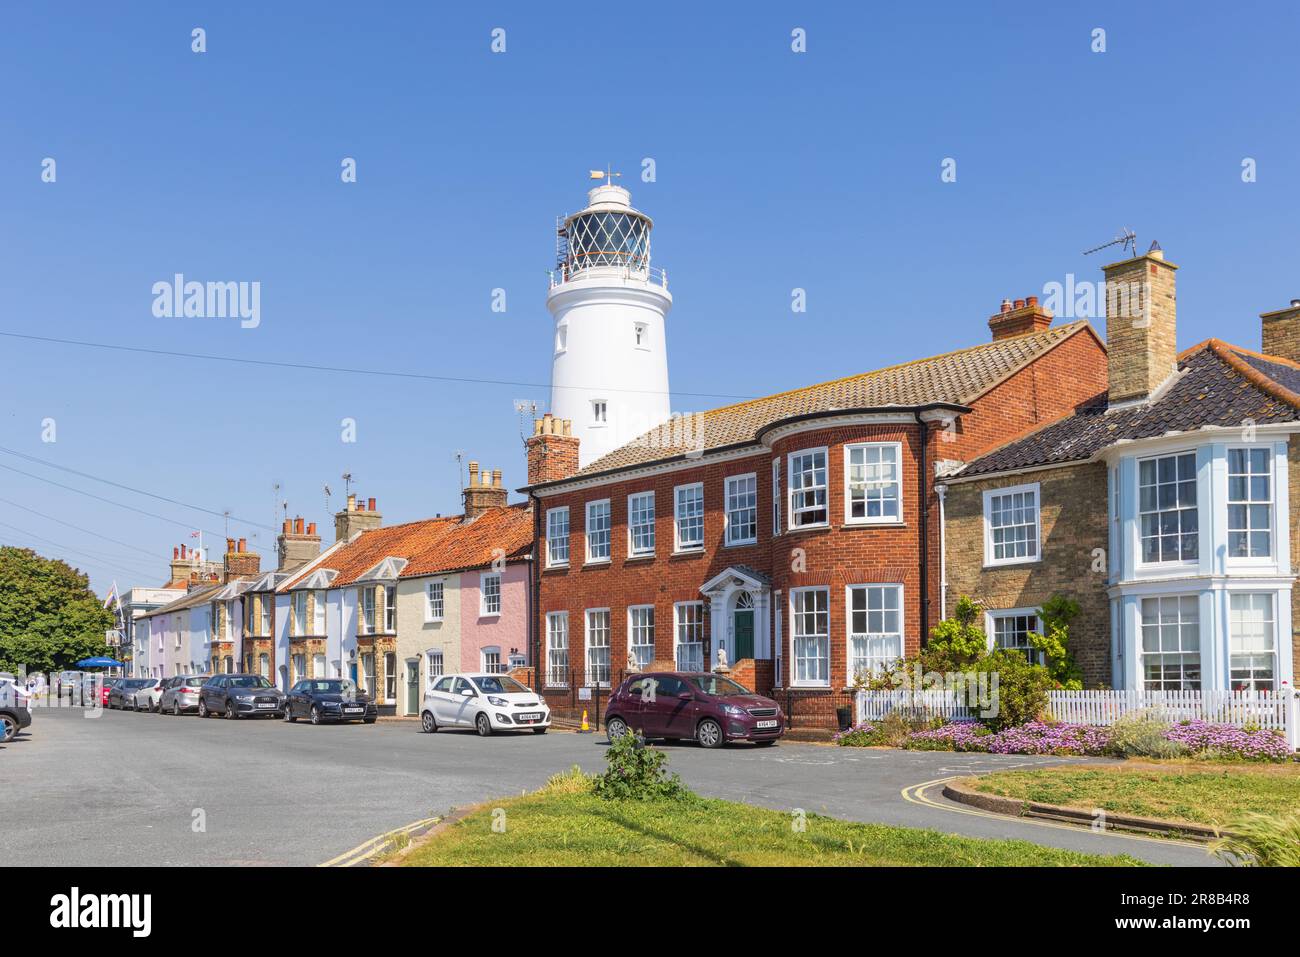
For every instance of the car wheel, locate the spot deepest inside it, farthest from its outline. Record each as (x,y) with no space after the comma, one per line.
(483,724)
(539,730)
(176,708)
(8,728)
(615,728)
(427,723)
(709,733)
(369,720)
(231,713)
(315,715)
(288,715)
(203,708)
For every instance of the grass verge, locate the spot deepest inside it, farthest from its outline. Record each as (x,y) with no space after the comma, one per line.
(1196,792)
(565,825)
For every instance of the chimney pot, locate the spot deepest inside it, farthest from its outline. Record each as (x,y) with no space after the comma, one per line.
(176,553)
(1006,305)
(370,505)
(1031,301)
(311,528)
(1020,304)
(243,544)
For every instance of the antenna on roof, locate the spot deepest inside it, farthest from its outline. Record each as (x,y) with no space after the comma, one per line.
(1125,238)
(347,483)
(328,493)
(523,406)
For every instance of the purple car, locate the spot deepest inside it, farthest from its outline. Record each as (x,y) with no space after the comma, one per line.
(708,708)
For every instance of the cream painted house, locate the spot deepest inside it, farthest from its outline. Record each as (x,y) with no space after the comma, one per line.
(428,634)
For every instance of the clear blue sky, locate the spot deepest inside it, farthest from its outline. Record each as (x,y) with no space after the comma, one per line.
(775,170)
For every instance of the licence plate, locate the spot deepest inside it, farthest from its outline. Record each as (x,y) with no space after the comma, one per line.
(530,716)
(354,710)
(765,724)
(264,705)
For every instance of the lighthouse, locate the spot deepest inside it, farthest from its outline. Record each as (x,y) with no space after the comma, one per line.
(609,376)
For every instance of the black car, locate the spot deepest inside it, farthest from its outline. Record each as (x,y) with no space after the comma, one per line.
(15,713)
(238,696)
(329,699)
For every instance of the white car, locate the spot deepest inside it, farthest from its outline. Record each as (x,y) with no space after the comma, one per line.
(146,698)
(484,702)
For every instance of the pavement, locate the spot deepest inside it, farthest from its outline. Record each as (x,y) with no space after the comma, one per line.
(151,790)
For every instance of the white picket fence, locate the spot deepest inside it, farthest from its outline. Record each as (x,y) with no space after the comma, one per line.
(1261,709)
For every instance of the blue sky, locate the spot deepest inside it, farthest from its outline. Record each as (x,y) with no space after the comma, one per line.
(774,170)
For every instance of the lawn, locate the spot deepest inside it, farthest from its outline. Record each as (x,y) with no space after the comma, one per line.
(565,825)
(1197,792)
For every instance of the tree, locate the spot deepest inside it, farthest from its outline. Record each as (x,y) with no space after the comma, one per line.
(957,641)
(49,617)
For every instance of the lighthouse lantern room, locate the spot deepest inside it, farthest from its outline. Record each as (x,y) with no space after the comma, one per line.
(610,372)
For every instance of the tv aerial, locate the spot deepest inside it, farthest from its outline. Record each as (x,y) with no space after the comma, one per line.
(1126,238)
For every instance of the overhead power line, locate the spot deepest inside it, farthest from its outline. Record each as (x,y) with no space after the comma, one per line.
(279,364)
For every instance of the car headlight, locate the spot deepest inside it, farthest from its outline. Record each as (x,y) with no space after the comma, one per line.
(498,702)
(735,712)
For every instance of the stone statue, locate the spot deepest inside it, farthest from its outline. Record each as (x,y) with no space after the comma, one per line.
(722,660)
(631,661)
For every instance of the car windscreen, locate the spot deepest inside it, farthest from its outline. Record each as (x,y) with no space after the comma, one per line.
(331,686)
(248,681)
(716,686)
(499,684)
(134,683)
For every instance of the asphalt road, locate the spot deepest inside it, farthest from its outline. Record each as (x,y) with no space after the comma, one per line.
(131,789)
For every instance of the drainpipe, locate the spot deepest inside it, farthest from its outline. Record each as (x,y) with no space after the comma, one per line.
(924,497)
(942,491)
(535,584)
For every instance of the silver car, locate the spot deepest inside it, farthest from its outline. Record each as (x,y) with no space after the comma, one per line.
(181,694)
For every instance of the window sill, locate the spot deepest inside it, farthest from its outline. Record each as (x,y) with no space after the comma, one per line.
(853,526)
(688,552)
(648,557)
(1018,563)
(489,614)
(821,527)
(557,567)
(597,563)
(434,621)
(747,543)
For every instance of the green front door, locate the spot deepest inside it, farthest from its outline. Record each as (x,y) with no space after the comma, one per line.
(413,686)
(744,633)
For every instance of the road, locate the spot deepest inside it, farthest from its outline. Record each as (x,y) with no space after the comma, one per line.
(150,790)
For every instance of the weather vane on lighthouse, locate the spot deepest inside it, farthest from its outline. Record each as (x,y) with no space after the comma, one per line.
(607,174)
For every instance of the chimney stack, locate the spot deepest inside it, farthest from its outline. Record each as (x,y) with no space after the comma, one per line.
(180,566)
(1141,340)
(552,450)
(1019,319)
(356,517)
(1281,332)
(297,544)
(239,562)
(483,492)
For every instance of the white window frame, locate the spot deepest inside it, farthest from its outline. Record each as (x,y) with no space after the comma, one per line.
(795,637)
(390,608)
(592,559)
(435,600)
(882,519)
(599,413)
(632,550)
(1202,634)
(318,612)
(299,617)
(265,623)
(633,627)
(989,496)
(486,665)
(727,483)
(696,488)
(776,496)
(557,541)
(483,608)
(867,634)
(434,665)
(687,628)
(557,625)
(366,617)
(1271,621)
(991,617)
(318,659)
(778,640)
(1269,503)
(592,671)
(1179,562)
(825,488)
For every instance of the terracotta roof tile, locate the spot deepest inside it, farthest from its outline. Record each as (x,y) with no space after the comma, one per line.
(954,377)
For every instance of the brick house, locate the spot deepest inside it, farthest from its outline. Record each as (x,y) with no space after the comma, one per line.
(797,532)
(1161,507)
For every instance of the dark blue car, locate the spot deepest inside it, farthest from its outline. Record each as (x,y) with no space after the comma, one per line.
(329,699)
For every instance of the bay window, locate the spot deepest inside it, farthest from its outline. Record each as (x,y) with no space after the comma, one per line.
(808,488)
(1171,643)
(1252,641)
(873,482)
(1167,508)
(1250,503)
(810,633)
(875,628)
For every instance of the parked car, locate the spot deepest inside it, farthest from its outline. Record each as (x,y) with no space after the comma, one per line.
(121,693)
(238,695)
(484,702)
(145,698)
(329,699)
(708,708)
(15,711)
(181,694)
(104,690)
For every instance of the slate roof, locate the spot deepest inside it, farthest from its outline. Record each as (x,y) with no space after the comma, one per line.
(952,378)
(1220,385)
(198,596)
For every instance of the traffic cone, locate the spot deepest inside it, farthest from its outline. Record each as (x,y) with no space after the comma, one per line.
(586,728)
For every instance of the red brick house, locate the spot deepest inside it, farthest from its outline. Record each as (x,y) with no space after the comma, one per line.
(796,532)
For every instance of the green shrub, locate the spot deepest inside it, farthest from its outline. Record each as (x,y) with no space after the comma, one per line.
(1261,840)
(1054,643)
(572,781)
(1021,689)
(637,773)
(956,642)
(1141,734)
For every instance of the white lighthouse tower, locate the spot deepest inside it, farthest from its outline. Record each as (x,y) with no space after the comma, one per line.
(610,374)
